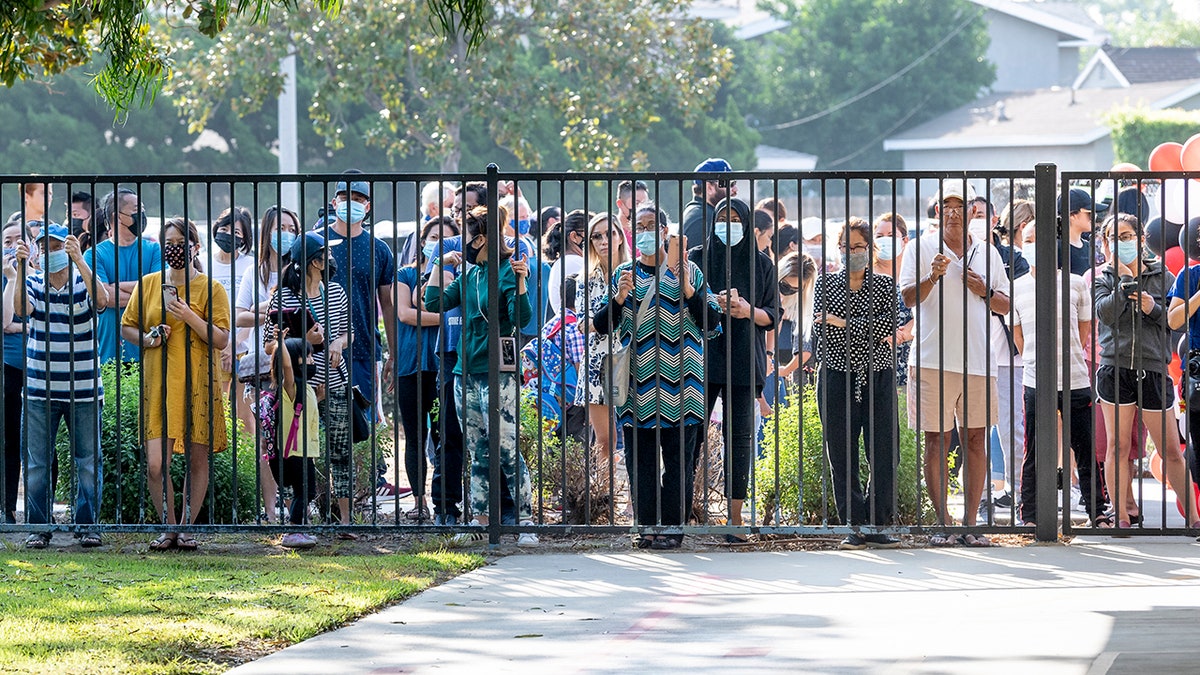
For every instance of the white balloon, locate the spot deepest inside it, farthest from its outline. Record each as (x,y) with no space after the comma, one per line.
(1181,199)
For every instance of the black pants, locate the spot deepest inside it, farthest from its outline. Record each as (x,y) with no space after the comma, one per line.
(447,489)
(738,433)
(14,385)
(1078,404)
(873,421)
(651,452)
(415,402)
(299,474)
(1193,407)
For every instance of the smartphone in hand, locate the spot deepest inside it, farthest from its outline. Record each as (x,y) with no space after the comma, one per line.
(170,294)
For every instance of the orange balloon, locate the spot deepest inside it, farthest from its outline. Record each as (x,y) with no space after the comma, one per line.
(1189,156)
(1156,470)
(1166,157)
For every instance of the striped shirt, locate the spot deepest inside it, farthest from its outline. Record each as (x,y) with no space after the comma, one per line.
(62,363)
(334,328)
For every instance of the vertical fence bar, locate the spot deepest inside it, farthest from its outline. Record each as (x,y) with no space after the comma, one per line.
(494,234)
(1046,336)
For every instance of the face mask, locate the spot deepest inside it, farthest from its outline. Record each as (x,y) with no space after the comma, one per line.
(351,211)
(9,252)
(817,251)
(523,227)
(1029,252)
(331,268)
(730,234)
(77,226)
(1127,251)
(176,255)
(429,249)
(472,253)
(887,250)
(225,241)
(57,261)
(138,222)
(856,262)
(286,239)
(647,243)
(978,229)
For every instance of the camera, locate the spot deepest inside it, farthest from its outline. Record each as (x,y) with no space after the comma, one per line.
(1193,364)
(1128,287)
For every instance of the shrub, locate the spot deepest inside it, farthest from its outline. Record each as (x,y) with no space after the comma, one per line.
(124,498)
(1137,131)
(568,476)
(793,483)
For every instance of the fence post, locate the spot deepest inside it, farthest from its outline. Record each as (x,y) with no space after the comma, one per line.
(493,310)
(1046,333)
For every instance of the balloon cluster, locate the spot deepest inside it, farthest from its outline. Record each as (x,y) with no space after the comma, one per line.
(1180,198)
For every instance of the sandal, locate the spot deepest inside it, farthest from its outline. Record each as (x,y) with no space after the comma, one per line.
(736,539)
(975,541)
(185,542)
(165,542)
(90,540)
(644,541)
(37,540)
(1102,521)
(419,512)
(944,541)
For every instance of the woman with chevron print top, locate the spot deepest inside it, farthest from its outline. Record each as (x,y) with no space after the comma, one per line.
(658,304)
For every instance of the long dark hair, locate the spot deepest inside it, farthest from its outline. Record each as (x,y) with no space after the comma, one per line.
(556,239)
(267,227)
(475,221)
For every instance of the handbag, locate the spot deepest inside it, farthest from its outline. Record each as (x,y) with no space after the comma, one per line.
(360,416)
(616,363)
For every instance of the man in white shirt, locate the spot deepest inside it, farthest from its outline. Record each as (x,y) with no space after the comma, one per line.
(954,283)
(1074,400)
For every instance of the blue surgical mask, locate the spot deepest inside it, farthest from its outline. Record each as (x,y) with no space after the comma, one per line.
(57,261)
(886,247)
(1127,251)
(730,234)
(429,249)
(1030,253)
(523,227)
(286,239)
(647,242)
(10,252)
(351,211)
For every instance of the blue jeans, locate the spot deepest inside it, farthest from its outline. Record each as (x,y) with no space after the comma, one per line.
(43,417)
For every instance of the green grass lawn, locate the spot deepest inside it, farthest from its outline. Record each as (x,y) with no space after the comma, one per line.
(132,613)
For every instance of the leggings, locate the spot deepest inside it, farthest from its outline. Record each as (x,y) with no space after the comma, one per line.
(738,406)
(14,384)
(416,402)
(299,474)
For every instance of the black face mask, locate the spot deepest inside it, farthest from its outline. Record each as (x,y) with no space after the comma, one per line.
(77,226)
(787,289)
(226,241)
(472,254)
(331,268)
(137,222)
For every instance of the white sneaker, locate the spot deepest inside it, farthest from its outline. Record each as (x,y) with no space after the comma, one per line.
(467,538)
(526,539)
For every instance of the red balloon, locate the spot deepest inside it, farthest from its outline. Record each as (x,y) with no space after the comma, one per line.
(1175,259)
(1166,157)
(1156,469)
(1189,155)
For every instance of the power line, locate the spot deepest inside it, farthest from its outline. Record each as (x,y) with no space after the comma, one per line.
(880,137)
(892,78)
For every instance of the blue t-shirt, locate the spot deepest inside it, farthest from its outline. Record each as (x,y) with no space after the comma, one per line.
(113,265)
(1185,287)
(417,347)
(354,263)
(14,343)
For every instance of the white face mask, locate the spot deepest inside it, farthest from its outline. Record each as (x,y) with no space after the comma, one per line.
(978,229)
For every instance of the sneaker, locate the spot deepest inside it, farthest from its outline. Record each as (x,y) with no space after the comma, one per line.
(1077,496)
(298,540)
(468,538)
(37,540)
(445,519)
(526,539)
(1004,501)
(854,542)
(389,490)
(881,541)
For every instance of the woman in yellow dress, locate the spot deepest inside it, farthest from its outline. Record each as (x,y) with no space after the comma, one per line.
(182,309)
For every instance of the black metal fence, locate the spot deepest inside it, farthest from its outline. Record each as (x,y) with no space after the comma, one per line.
(799,323)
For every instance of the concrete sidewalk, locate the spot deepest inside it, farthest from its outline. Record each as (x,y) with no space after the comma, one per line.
(1097,606)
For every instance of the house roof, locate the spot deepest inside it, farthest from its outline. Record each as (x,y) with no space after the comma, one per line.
(1155,64)
(1069,19)
(1056,116)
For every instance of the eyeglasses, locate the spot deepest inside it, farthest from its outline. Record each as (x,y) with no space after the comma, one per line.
(952,210)
(722,183)
(600,236)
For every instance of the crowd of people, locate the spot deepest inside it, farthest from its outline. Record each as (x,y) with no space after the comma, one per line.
(627,328)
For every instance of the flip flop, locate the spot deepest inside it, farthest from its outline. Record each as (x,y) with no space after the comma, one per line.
(165,542)
(944,541)
(185,542)
(975,541)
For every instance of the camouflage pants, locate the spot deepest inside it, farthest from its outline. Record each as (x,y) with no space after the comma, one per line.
(471,395)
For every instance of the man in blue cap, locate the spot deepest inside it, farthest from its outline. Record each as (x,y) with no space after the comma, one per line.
(366,269)
(706,194)
(62,375)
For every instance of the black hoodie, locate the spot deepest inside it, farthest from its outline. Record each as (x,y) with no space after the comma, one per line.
(751,272)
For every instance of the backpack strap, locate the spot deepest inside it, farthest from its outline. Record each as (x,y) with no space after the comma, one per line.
(292,440)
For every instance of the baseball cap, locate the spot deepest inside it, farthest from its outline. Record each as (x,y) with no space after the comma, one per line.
(1076,198)
(958,188)
(810,227)
(254,364)
(310,246)
(712,164)
(362,187)
(56,231)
